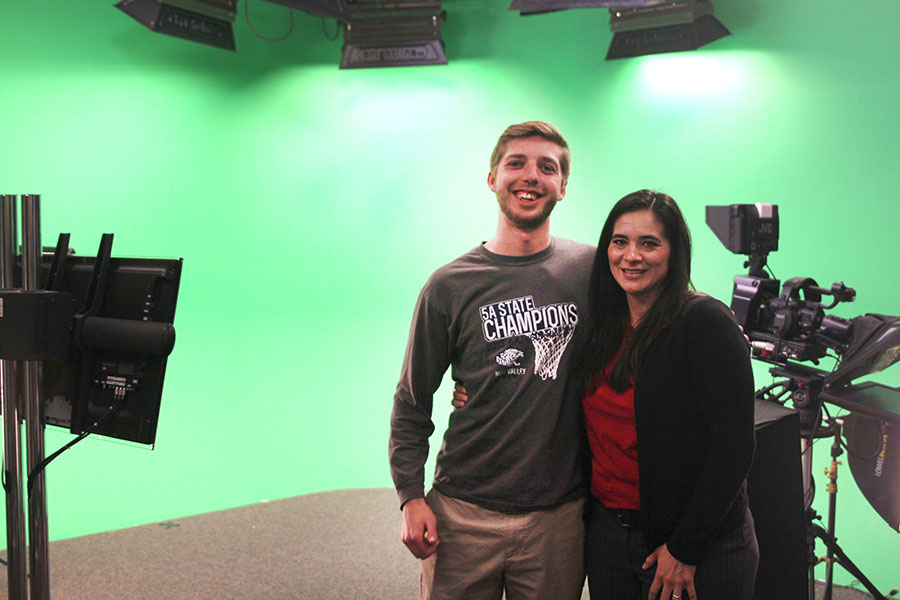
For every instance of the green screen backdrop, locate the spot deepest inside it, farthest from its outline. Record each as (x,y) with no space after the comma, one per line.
(310,204)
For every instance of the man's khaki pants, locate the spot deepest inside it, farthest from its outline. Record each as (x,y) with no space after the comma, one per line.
(482,553)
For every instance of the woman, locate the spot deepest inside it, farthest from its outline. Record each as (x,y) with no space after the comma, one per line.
(669,413)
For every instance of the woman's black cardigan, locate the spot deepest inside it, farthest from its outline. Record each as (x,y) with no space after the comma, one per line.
(694,406)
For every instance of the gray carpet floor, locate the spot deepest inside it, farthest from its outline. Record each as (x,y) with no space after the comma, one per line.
(340,545)
(329,546)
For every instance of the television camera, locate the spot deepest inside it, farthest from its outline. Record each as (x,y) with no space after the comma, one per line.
(787,326)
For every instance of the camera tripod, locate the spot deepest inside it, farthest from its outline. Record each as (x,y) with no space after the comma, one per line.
(805,386)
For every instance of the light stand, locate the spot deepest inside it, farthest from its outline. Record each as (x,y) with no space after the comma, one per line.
(827,536)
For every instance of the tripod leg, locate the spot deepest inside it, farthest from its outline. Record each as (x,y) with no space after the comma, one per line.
(811,515)
(811,553)
(845,562)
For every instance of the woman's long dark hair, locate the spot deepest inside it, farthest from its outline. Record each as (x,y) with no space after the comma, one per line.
(608,308)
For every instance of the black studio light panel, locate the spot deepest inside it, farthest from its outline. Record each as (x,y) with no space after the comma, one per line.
(392,34)
(206,22)
(643,27)
(667,27)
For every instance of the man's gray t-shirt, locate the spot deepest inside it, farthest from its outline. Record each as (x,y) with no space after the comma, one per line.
(507,326)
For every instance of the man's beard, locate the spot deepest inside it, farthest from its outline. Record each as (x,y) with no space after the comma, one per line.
(528,223)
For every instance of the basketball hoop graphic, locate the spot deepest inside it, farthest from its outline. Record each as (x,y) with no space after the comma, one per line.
(549,345)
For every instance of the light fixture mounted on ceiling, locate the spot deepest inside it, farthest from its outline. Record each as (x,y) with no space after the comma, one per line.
(644,26)
(203,21)
(666,27)
(391,34)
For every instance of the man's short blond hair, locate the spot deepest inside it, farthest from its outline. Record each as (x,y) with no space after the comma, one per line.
(539,129)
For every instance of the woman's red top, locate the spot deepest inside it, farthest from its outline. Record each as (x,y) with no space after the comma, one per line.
(609,417)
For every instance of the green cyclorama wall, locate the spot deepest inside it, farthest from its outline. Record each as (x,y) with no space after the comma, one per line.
(310,204)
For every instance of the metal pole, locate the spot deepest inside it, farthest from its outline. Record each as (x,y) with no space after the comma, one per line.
(12,430)
(806,449)
(39,550)
(832,473)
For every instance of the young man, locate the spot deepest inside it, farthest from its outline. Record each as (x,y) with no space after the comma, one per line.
(505,508)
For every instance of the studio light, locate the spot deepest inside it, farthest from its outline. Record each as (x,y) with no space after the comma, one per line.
(333,9)
(392,34)
(667,27)
(203,21)
(534,7)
